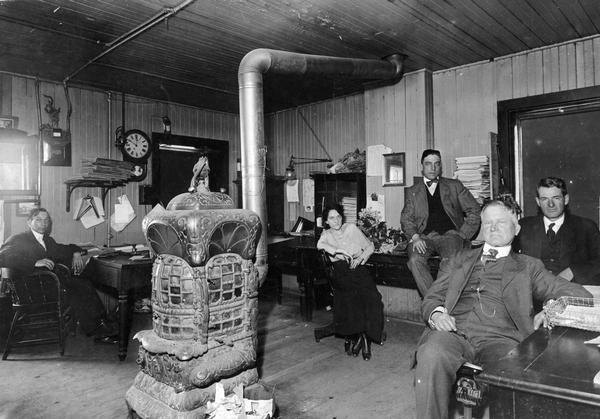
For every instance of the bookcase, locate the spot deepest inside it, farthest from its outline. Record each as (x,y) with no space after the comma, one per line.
(333,188)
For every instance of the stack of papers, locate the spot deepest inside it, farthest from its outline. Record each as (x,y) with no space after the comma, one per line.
(349,207)
(474,173)
(105,170)
(130,248)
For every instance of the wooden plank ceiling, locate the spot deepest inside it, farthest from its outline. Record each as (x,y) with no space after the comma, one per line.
(193,56)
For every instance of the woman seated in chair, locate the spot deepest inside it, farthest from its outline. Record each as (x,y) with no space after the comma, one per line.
(358,310)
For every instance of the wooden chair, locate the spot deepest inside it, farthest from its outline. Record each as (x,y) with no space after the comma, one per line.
(469,393)
(39,304)
(325,270)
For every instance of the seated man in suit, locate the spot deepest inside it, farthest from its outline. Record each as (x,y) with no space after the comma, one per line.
(480,307)
(438,217)
(34,248)
(568,245)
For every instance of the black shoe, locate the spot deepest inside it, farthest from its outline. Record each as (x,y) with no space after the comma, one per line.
(357,346)
(366,347)
(349,343)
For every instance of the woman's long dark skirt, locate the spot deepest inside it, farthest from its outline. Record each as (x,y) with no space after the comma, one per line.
(357,305)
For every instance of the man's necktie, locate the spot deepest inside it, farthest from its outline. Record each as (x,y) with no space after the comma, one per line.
(490,256)
(551,233)
(431,182)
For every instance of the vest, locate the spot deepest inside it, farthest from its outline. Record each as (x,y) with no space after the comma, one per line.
(437,220)
(550,253)
(480,312)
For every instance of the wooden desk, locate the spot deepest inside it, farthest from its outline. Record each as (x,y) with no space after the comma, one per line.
(123,275)
(297,255)
(550,375)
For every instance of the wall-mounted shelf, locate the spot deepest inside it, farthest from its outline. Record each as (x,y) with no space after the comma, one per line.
(105,185)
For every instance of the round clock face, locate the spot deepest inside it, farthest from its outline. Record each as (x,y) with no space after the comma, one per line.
(136,146)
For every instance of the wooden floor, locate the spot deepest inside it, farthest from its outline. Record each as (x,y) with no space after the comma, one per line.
(311,380)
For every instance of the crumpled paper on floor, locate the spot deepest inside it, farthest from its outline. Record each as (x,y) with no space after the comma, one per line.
(235,406)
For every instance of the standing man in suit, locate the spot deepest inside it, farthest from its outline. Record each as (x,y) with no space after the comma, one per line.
(35,249)
(480,307)
(439,215)
(568,245)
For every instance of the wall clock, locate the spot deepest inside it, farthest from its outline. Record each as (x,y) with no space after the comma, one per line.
(136,146)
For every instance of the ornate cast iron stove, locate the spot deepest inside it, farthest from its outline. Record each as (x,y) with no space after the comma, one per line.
(204,301)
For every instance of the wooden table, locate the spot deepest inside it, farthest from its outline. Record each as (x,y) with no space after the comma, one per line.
(549,375)
(123,275)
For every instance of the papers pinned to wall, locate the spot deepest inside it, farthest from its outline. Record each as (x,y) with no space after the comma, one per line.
(90,211)
(308,195)
(375,159)
(123,215)
(291,191)
(376,202)
(156,211)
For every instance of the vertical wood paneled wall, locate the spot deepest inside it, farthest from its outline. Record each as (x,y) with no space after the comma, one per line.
(399,117)
(453,110)
(465,98)
(95,117)
(338,123)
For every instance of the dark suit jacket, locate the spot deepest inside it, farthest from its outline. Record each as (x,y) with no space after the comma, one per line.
(580,249)
(524,278)
(457,201)
(22,250)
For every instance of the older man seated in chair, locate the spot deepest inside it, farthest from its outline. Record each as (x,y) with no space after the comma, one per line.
(480,307)
(35,249)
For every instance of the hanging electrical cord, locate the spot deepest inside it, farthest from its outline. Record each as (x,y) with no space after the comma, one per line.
(313,133)
(40,150)
(69,106)
(38,102)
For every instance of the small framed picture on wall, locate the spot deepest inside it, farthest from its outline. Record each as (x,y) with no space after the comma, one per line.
(394,170)
(9,122)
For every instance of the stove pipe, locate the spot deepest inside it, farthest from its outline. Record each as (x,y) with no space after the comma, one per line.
(250,79)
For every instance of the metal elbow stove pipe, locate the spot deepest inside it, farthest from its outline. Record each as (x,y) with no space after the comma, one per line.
(250,79)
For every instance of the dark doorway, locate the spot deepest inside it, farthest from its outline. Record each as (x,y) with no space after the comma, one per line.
(174,158)
(552,135)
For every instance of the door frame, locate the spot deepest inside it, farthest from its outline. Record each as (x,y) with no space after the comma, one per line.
(509,114)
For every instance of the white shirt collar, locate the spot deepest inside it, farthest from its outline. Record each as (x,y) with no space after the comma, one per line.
(503,251)
(431,188)
(39,237)
(557,223)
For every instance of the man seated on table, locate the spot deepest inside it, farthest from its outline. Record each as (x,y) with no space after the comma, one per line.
(480,307)
(568,245)
(439,216)
(35,249)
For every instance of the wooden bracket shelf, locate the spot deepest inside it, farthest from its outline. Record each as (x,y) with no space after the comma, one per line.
(105,185)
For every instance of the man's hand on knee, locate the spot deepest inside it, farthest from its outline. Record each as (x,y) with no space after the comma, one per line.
(443,322)
(77,264)
(419,245)
(44,263)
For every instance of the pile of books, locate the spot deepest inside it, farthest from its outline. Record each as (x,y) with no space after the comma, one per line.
(106,170)
(349,207)
(474,173)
